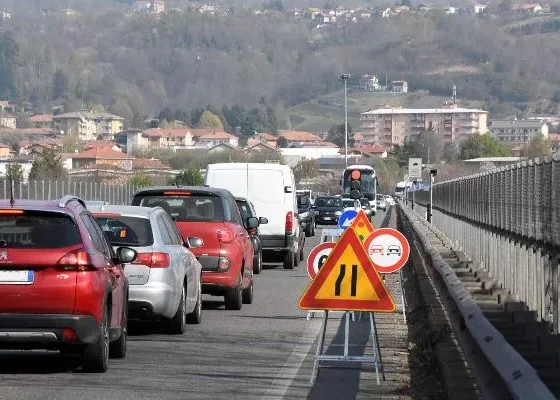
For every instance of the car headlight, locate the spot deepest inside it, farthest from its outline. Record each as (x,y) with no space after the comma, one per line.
(304,214)
(338,213)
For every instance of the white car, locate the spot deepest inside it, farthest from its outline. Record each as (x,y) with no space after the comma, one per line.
(389,199)
(381,202)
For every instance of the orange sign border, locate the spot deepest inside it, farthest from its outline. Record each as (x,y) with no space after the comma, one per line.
(385,302)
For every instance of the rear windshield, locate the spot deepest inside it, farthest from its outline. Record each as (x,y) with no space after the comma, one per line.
(348,203)
(328,202)
(302,200)
(192,208)
(364,202)
(38,230)
(126,231)
(380,197)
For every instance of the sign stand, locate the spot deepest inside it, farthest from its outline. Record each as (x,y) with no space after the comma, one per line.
(403,297)
(374,359)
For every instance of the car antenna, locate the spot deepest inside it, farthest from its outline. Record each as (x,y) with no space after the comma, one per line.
(12,200)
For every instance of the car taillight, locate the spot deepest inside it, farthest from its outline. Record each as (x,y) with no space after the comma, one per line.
(152,260)
(225,236)
(76,260)
(289,222)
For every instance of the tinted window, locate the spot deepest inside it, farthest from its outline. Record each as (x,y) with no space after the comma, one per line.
(328,202)
(244,209)
(96,234)
(192,208)
(126,231)
(364,202)
(38,230)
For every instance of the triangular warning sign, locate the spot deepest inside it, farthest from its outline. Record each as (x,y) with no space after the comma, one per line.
(347,281)
(362,226)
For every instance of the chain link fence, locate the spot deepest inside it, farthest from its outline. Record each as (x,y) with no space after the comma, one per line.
(508,220)
(87,190)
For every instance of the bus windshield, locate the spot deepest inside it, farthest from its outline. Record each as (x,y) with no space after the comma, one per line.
(368,187)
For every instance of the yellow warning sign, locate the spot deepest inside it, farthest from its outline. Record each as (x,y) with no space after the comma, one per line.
(347,281)
(362,226)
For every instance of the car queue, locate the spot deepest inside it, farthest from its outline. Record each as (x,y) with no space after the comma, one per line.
(73,272)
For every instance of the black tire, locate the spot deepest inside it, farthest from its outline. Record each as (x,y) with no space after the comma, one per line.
(95,357)
(309,230)
(289,261)
(313,231)
(117,349)
(195,317)
(248,295)
(178,324)
(301,255)
(234,298)
(257,263)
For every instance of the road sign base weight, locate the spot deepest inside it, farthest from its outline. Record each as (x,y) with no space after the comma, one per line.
(375,359)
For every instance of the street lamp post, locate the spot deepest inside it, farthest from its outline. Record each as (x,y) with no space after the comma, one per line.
(345,77)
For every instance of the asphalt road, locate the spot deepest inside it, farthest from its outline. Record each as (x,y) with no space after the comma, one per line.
(260,352)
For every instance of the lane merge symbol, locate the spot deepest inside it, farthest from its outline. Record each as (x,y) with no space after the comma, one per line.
(347,281)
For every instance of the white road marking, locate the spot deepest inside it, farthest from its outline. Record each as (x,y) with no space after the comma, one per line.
(289,370)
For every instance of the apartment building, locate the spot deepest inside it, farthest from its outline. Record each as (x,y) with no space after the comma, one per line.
(89,125)
(394,126)
(518,131)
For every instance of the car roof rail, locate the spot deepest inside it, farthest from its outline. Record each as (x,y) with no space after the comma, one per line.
(69,197)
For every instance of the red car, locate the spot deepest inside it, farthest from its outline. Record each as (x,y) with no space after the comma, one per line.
(62,287)
(227,252)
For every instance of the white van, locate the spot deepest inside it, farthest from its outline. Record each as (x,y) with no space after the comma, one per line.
(271,189)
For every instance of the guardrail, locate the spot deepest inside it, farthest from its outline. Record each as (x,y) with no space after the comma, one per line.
(520,378)
(508,219)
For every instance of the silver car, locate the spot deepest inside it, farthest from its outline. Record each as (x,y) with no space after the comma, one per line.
(164,280)
(381,202)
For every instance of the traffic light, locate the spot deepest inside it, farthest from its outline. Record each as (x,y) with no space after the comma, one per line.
(355,184)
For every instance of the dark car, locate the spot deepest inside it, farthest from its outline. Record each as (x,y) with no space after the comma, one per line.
(62,285)
(226,254)
(328,209)
(247,211)
(306,214)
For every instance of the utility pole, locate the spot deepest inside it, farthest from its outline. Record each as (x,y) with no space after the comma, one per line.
(345,77)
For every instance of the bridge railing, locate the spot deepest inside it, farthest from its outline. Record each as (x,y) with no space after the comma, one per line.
(508,219)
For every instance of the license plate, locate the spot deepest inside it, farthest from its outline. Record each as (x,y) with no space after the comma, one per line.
(327,218)
(16,277)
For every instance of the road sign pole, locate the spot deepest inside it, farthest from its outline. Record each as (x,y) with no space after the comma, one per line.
(403,297)
(376,347)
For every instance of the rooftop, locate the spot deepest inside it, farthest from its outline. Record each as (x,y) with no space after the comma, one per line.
(502,124)
(88,115)
(397,111)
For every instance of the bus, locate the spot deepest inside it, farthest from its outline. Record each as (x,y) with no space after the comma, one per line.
(369,183)
(400,188)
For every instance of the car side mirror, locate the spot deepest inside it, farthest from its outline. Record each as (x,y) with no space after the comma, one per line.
(263,221)
(288,189)
(126,255)
(252,222)
(194,242)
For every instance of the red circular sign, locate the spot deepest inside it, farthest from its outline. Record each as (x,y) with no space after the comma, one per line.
(317,257)
(388,249)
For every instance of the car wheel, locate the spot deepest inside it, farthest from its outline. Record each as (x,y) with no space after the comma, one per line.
(178,324)
(196,316)
(301,255)
(257,263)
(233,298)
(309,230)
(117,349)
(248,295)
(313,231)
(289,261)
(96,355)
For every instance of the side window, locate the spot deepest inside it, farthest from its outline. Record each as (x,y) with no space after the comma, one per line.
(164,232)
(97,235)
(235,215)
(176,239)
